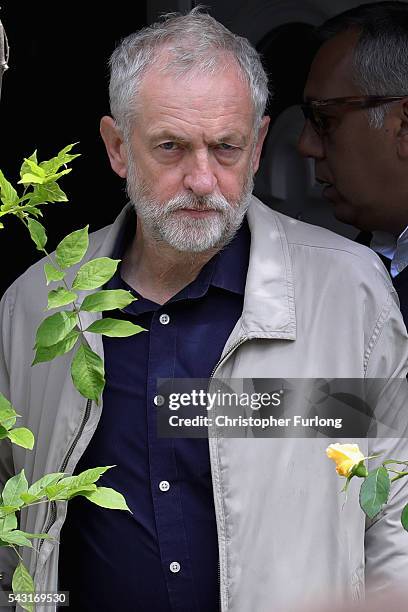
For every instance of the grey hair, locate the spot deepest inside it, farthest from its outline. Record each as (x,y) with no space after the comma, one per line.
(380,60)
(195,42)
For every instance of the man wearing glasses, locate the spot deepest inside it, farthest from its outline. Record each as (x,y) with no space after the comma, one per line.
(356,129)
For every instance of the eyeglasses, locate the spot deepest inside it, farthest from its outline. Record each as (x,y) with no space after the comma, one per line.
(323,114)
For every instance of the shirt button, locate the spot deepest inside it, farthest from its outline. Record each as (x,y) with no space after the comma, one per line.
(164,319)
(158,400)
(174,567)
(164,485)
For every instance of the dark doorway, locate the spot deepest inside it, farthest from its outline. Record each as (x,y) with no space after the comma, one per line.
(54,94)
(287,53)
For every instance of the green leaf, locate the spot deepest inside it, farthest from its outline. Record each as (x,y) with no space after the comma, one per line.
(7,510)
(22,437)
(31,166)
(9,423)
(88,373)
(60,297)
(52,165)
(87,477)
(8,195)
(55,328)
(7,413)
(23,211)
(16,537)
(50,192)
(52,274)
(75,492)
(31,179)
(8,523)
(6,409)
(37,233)
(47,353)
(51,491)
(114,328)
(29,499)
(95,273)
(25,166)
(107,498)
(54,177)
(60,492)
(3,432)
(404,517)
(374,491)
(72,248)
(71,486)
(37,489)
(23,583)
(107,300)
(13,488)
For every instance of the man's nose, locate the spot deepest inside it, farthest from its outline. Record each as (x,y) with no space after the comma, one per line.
(199,177)
(310,144)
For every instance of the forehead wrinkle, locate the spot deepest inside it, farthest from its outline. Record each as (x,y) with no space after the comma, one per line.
(220,89)
(176,119)
(202,104)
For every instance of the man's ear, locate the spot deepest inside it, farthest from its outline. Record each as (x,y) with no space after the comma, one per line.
(113,139)
(263,130)
(403,132)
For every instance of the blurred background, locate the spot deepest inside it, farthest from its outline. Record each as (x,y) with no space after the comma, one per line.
(55,92)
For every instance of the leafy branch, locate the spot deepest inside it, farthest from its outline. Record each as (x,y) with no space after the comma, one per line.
(58,334)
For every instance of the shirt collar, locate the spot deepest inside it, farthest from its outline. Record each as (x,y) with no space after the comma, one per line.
(395,249)
(231,263)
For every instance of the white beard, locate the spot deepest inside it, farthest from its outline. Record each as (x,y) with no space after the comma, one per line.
(183,232)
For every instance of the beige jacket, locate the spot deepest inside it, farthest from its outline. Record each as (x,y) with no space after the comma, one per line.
(316,305)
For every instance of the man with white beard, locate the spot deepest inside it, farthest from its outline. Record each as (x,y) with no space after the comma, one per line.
(226,288)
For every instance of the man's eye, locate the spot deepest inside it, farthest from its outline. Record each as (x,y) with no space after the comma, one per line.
(168,146)
(227,151)
(223,146)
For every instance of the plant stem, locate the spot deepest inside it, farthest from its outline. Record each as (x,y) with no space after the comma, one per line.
(17,553)
(400,475)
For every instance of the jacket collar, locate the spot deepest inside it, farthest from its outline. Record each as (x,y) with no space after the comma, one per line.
(269,305)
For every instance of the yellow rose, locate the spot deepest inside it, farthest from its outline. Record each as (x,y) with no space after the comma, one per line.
(346,456)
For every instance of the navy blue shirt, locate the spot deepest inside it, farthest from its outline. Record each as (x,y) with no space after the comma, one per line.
(164,556)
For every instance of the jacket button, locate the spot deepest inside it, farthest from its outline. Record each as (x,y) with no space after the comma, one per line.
(174,567)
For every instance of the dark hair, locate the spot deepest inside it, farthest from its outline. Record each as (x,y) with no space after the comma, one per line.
(380,59)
